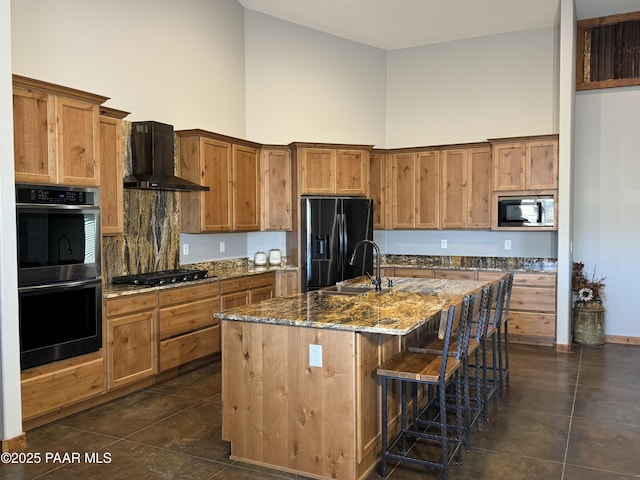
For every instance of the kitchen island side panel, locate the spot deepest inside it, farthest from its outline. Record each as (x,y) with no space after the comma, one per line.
(279,411)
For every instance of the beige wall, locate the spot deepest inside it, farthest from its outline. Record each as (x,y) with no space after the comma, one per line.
(180,63)
(304,85)
(470,90)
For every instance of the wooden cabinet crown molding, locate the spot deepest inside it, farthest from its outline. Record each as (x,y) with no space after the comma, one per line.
(196,132)
(42,86)
(332,146)
(527,138)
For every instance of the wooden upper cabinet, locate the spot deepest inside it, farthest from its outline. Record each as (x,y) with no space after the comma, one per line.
(403,190)
(465,187)
(508,166)
(352,172)
(329,170)
(56,133)
(529,163)
(246,188)
(230,168)
(33,143)
(111,193)
(427,191)
(208,162)
(317,171)
(78,147)
(479,188)
(414,189)
(541,165)
(454,188)
(378,188)
(276,192)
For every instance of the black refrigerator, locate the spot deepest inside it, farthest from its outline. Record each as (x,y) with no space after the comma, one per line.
(331,228)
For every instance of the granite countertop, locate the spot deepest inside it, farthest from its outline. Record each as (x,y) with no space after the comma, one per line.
(233,268)
(514,264)
(407,305)
(216,271)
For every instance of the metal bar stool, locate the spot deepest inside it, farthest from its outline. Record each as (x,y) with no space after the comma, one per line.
(503,337)
(431,344)
(439,371)
(492,385)
(484,386)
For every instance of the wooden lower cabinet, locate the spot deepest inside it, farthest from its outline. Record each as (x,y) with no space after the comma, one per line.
(236,292)
(50,387)
(187,328)
(532,310)
(132,338)
(279,411)
(532,313)
(287,283)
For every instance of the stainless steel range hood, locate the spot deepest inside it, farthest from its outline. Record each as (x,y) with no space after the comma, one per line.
(152,160)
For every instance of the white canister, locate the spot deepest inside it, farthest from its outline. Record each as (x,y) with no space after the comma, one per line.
(275,257)
(260,258)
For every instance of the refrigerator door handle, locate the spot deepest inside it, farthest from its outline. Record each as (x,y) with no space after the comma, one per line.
(345,237)
(308,240)
(340,243)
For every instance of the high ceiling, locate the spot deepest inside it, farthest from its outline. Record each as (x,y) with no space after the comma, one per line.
(394,24)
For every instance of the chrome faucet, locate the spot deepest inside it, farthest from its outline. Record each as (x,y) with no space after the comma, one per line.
(377,282)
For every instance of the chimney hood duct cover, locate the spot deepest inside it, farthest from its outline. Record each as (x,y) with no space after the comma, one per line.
(152,161)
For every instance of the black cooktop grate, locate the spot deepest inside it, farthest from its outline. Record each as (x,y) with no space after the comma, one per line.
(162,277)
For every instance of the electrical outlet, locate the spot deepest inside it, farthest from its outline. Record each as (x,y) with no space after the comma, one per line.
(185,249)
(507,244)
(315,355)
(221,246)
(443,244)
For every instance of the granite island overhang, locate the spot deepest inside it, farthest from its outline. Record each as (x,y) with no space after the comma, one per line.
(408,304)
(322,421)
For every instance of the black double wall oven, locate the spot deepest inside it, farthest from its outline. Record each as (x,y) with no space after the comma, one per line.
(59,279)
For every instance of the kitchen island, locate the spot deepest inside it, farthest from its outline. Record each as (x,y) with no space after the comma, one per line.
(299,385)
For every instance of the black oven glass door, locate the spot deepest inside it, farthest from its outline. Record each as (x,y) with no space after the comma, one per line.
(60,321)
(57,243)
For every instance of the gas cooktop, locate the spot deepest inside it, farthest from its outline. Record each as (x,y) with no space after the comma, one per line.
(161,278)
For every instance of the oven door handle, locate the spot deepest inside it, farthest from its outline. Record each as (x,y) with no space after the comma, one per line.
(60,285)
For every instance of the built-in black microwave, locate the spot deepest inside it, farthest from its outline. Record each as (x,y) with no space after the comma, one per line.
(526,211)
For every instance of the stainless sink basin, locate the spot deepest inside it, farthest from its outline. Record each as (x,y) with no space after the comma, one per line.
(347,290)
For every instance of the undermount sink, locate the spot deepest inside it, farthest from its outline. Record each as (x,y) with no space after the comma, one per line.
(347,290)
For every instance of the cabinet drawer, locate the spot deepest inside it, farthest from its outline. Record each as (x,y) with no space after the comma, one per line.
(455,274)
(246,283)
(185,318)
(489,276)
(187,294)
(53,390)
(130,303)
(535,279)
(185,348)
(534,299)
(233,300)
(262,293)
(530,324)
(413,272)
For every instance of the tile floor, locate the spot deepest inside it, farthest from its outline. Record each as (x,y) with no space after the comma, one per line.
(566,416)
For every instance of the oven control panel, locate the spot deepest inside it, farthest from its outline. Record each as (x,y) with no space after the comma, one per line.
(56,195)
